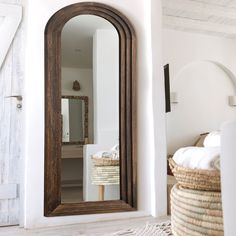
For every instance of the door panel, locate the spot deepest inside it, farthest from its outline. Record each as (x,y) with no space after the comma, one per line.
(11,77)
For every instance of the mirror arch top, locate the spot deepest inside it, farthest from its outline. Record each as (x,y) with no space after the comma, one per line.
(115,17)
(127,116)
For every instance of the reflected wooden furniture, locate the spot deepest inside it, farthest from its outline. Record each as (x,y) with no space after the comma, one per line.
(72,151)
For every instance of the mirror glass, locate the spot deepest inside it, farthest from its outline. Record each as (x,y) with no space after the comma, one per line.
(90,110)
(74,119)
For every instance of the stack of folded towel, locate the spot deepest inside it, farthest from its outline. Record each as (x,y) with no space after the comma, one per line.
(113,153)
(205,158)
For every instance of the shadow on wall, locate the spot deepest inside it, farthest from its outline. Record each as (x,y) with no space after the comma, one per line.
(203,89)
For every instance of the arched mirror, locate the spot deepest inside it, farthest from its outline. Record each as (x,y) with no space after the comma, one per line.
(90,127)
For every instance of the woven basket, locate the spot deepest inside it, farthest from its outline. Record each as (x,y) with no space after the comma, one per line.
(105,161)
(106,175)
(208,180)
(196,213)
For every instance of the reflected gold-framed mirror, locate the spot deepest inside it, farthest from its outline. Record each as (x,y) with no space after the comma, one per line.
(75,112)
(97,44)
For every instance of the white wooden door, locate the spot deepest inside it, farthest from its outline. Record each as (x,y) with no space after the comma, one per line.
(11,81)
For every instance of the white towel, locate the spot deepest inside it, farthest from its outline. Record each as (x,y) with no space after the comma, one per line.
(212,139)
(115,148)
(113,153)
(197,157)
(100,154)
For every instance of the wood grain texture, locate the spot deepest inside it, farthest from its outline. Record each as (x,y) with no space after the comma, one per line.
(11,82)
(72,151)
(127,107)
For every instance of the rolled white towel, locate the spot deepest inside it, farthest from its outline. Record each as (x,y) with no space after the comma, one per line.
(115,148)
(107,154)
(103,154)
(99,154)
(212,139)
(197,157)
(115,155)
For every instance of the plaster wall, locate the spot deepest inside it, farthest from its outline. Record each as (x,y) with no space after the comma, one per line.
(202,73)
(151,161)
(106,86)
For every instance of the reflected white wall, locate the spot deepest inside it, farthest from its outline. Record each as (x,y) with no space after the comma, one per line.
(65,119)
(106,107)
(106,86)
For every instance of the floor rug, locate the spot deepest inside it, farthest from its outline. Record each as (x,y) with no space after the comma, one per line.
(154,229)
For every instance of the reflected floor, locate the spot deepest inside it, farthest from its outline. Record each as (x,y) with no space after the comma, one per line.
(71,194)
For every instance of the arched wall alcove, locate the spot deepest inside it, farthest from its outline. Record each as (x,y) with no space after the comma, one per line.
(224,68)
(203,89)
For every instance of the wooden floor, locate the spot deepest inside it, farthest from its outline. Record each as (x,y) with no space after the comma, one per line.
(90,229)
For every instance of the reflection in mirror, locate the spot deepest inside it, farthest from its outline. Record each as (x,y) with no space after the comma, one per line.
(90,115)
(72,120)
(74,111)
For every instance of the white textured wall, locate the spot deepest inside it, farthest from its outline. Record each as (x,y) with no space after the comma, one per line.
(202,84)
(151,151)
(156,121)
(228,175)
(106,86)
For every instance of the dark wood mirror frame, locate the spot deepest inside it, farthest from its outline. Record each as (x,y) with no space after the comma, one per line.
(127,117)
(86,122)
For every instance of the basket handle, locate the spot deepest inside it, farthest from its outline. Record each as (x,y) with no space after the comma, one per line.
(172,164)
